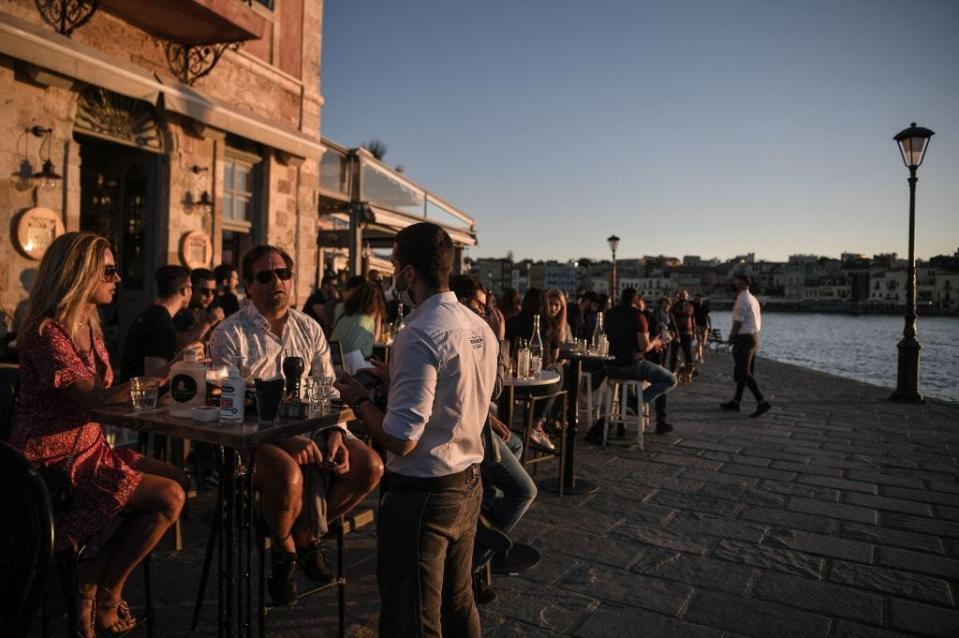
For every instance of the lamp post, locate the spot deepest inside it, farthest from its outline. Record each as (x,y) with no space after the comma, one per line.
(613,241)
(913,143)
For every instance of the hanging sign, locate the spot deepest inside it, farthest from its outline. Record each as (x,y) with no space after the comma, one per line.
(196,250)
(35,231)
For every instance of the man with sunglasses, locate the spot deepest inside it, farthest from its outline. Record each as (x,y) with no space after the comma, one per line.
(257,339)
(440,379)
(196,321)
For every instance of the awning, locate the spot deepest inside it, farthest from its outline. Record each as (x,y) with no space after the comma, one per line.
(396,221)
(45,48)
(182,99)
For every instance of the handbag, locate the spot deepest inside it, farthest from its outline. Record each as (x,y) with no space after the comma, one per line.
(57,480)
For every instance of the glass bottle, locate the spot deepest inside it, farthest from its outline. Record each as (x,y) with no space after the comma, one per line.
(522,359)
(599,335)
(398,323)
(535,350)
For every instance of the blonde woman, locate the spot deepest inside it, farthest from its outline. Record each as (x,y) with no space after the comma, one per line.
(65,371)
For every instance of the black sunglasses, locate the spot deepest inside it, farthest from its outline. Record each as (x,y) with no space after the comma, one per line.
(266,276)
(208,291)
(110,272)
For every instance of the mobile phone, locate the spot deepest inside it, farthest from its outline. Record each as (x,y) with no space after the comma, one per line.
(366,379)
(329,464)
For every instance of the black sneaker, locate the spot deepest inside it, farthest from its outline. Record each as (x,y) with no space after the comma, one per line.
(314,565)
(485,594)
(761,409)
(733,406)
(282,580)
(662,427)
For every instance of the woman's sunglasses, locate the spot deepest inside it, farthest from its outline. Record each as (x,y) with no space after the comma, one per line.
(266,276)
(110,272)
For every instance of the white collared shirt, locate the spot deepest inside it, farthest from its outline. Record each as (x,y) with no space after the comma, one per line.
(246,335)
(746,311)
(442,373)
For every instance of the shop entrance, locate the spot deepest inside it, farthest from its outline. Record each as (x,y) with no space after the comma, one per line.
(118,200)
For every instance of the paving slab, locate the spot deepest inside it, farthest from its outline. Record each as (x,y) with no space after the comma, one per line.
(834,515)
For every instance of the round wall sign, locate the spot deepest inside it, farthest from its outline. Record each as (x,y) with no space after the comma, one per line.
(35,231)
(196,250)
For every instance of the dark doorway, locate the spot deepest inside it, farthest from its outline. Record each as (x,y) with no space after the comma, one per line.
(118,200)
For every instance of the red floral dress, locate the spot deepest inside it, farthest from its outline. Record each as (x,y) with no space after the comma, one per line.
(46,424)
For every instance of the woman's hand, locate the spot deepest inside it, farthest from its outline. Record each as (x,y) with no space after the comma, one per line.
(499,428)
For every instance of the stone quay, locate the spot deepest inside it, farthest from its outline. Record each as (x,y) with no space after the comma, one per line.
(834,515)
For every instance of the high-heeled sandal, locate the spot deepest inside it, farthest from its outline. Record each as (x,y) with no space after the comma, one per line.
(125,617)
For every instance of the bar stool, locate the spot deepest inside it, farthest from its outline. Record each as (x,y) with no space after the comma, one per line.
(615,403)
(533,456)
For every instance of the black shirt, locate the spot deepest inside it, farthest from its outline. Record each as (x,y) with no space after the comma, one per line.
(152,334)
(701,310)
(228,301)
(622,325)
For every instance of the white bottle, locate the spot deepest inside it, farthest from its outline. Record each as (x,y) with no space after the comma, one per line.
(187,385)
(522,360)
(232,396)
(535,350)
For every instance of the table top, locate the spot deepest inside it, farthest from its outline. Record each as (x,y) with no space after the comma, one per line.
(545,378)
(248,434)
(569,354)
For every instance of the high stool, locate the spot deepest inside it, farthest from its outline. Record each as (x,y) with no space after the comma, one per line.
(532,457)
(615,404)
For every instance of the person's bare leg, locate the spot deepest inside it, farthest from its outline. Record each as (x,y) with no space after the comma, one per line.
(347,491)
(149,465)
(158,502)
(280,482)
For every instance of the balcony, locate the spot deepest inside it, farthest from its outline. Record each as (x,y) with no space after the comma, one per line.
(191,22)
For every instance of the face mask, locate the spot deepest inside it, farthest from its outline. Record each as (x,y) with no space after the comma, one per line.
(402,295)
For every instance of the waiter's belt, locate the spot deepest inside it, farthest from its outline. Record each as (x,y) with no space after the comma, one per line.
(400,484)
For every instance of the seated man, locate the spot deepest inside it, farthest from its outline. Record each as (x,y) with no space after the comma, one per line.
(152,339)
(227,280)
(628,334)
(257,339)
(197,320)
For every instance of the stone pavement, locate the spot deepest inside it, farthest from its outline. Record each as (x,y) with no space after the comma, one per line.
(836,514)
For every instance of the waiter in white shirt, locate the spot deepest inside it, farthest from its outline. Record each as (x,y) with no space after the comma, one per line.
(440,380)
(744,337)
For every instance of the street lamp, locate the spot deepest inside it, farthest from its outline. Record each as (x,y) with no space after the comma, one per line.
(913,143)
(613,241)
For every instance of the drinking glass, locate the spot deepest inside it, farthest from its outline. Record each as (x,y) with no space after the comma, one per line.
(143,393)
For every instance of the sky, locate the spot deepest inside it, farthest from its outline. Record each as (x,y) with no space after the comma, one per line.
(689,127)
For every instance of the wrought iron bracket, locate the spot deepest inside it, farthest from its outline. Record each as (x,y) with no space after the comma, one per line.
(66,16)
(190,63)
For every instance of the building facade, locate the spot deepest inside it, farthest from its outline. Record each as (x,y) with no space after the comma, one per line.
(183,132)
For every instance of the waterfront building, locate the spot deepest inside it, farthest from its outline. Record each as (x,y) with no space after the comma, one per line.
(182,135)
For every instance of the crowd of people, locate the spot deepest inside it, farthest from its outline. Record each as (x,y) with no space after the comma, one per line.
(452,485)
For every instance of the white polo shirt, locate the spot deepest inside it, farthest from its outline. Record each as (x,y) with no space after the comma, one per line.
(746,311)
(442,373)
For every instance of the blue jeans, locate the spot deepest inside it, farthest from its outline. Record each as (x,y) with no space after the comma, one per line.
(660,379)
(508,490)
